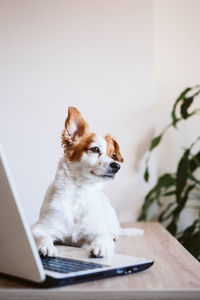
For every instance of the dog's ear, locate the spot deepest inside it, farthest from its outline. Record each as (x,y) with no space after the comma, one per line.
(75,125)
(113,148)
(117,152)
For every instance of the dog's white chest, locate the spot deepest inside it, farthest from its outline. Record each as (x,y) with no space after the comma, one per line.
(80,203)
(80,209)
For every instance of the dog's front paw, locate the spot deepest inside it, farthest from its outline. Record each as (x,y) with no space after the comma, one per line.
(97,251)
(101,248)
(47,248)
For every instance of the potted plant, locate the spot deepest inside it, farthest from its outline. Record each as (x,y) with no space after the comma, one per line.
(180,185)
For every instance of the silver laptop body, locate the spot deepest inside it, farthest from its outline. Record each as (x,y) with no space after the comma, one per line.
(19,256)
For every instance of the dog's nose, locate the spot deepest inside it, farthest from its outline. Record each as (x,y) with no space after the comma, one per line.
(115,167)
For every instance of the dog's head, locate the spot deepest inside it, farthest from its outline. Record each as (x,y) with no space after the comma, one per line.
(90,156)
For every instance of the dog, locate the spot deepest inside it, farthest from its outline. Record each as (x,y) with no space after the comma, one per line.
(75,210)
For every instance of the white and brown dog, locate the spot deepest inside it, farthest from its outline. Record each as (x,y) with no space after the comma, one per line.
(75,210)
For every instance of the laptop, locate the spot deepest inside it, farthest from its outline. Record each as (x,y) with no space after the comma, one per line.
(19,256)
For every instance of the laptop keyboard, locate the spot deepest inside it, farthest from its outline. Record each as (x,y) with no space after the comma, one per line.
(66,265)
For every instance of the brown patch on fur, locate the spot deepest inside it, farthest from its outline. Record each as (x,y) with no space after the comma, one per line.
(74,152)
(113,148)
(76,137)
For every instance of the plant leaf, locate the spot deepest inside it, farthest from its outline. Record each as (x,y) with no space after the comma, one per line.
(193,178)
(184,198)
(182,174)
(187,232)
(155,141)
(184,107)
(194,162)
(169,193)
(173,113)
(166,214)
(146,174)
(196,159)
(164,182)
(172,227)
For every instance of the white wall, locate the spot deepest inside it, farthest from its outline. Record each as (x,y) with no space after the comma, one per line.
(96,55)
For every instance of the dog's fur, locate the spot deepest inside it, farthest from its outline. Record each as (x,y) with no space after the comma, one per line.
(75,210)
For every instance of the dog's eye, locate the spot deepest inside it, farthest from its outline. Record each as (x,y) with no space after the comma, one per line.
(95,149)
(113,156)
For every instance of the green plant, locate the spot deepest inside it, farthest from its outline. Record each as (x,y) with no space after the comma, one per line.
(178,185)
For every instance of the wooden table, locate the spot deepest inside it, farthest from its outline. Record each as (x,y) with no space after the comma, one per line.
(174,275)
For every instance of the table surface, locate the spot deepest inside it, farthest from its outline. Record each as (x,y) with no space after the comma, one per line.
(174,275)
